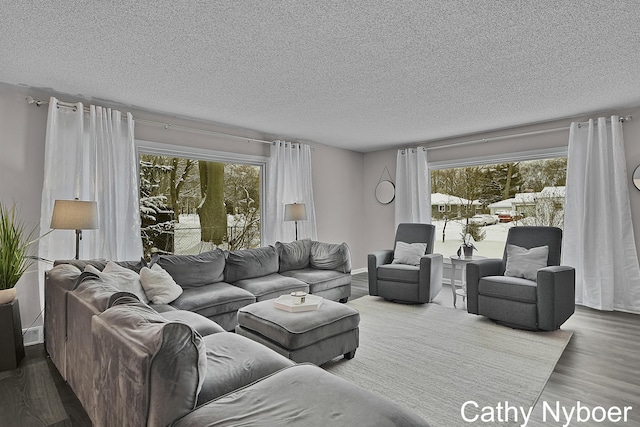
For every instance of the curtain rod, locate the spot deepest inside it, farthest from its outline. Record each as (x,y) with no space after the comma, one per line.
(167,126)
(514,135)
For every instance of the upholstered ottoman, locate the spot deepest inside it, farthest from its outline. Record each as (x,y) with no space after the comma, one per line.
(315,336)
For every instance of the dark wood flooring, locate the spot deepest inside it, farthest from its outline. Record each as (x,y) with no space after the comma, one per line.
(600,367)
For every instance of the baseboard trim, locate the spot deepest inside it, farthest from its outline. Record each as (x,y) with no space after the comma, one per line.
(359,270)
(33,335)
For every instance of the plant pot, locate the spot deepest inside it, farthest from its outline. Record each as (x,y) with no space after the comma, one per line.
(468,251)
(7,295)
(11,344)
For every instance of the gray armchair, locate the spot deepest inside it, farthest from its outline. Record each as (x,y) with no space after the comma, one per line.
(418,283)
(541,304)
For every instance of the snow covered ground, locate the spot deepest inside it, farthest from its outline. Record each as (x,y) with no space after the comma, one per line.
(491,247)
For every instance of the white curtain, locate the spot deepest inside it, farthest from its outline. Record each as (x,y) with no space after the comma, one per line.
(289,180)
(90,155)
(598,229)
(413,186)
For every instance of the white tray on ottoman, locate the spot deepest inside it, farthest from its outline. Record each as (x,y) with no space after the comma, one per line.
(315,336)
(285,302)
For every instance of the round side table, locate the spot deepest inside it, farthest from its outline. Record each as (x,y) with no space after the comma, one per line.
(461,261)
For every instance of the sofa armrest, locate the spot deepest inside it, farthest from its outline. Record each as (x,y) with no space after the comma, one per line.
(375,260)
(430,277)
(475,271)
(556,293)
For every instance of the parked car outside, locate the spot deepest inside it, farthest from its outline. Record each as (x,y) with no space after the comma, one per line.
(484,219)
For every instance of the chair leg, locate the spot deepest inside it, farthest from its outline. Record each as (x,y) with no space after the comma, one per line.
(350,355)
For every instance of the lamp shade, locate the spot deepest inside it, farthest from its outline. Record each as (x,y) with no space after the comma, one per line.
(74,215)
(295,212)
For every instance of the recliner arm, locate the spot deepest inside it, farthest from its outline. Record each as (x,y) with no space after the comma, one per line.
(475,271)
(375,260)
(430,277)
(556,296)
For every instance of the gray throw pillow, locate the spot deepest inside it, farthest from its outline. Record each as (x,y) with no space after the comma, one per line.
(294,255)
(522,262)
(330,256)
(408,253)
(190,271)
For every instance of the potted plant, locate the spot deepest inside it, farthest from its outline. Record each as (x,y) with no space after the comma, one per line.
(15,239)
(467,246)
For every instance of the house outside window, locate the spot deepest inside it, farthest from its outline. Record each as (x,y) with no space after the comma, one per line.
(486,200)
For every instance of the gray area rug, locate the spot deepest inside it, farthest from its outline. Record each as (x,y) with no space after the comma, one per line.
(433,359)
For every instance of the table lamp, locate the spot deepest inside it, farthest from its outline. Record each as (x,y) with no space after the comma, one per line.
(295,212)
(75,215)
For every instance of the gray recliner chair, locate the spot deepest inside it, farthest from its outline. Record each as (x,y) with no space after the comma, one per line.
(543,300)
(415,281)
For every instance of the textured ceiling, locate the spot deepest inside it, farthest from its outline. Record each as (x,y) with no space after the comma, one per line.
(362,75)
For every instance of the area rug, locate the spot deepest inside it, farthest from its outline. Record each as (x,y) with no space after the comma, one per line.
(433,359)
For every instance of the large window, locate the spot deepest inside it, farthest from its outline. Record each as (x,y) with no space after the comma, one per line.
(485,200)
(189,205)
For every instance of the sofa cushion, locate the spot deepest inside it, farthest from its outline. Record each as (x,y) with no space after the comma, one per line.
(193,270)
(330,256)
(250,263)
(336,402)
(293,255)
(214,298)
(234,361)
(320,280)
(399,273)
(510,288)
(271,286)
(159,285)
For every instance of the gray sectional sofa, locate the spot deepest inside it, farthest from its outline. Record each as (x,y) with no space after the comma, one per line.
(157,365)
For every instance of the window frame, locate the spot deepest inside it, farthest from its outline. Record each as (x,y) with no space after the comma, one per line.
(172,150)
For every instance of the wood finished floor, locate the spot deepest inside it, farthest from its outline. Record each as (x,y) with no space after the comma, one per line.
(600,367)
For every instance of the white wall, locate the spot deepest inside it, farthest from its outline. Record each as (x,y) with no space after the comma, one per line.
(378,219)
(337,174)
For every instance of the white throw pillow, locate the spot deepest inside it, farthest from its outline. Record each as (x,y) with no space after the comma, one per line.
(525,263)
(128,280)
(408,253)
(159,285)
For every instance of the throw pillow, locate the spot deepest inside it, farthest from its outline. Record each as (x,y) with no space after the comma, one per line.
(522,262)
(159,285)
(408,253)
(127,280)
(294,255)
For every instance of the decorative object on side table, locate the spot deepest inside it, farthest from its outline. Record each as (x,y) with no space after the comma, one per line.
(293,304)
(15,239)
(467,246)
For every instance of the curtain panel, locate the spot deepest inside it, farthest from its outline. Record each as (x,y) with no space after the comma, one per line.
(90,155)
(598,228)
(289,180)
(413,186)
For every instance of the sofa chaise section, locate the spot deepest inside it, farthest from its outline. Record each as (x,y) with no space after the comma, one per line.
(307,396)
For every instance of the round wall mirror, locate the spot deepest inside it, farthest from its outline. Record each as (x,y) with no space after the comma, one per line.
(636,177)
(385,192)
